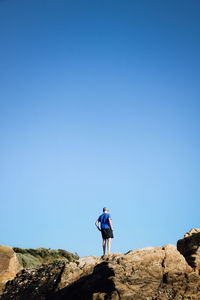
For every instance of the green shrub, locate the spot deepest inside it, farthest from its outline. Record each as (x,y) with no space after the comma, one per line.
(43,252)
(69,256)
(54,253)
(27,260)
(76,256)
(32,257)
(20,250)
(32,251)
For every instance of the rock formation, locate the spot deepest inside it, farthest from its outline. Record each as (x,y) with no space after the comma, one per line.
(160,273)
(189,247)
(34,283)
(191,232)
(12,260)
(151,273)
(9,265)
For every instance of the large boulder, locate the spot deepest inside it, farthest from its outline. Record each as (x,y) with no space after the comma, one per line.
(160,273)
(9,265)
(189,247)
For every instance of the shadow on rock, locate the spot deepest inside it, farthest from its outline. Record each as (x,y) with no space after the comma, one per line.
(98,282)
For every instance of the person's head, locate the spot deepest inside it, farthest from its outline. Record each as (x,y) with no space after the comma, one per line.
(105,209)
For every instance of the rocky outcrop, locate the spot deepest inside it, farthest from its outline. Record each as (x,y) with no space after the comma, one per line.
(189,247)
(9,265)
(149,273)
(160,273)
(191,232)
(34,283)
(12,260)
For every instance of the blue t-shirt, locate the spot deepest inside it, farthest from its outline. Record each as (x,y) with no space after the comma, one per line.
(103,219)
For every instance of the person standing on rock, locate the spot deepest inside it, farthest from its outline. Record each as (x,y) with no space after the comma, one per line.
(106,229)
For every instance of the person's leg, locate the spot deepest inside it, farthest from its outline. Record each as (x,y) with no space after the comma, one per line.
(104,247)
(108,245)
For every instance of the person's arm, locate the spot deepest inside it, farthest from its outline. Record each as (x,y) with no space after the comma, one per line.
(97,224)
(110,222)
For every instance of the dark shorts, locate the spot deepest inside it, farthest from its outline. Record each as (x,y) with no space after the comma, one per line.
(107,233)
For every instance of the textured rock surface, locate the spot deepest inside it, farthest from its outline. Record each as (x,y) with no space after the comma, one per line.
(9,265)
(192,231)
(74,271)
(189,247)
(151,274)
(34,283)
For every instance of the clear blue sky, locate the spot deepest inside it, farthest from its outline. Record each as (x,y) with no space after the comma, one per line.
(99,106)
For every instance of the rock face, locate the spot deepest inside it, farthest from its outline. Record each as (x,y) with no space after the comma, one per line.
(189,247)
(34,283)
(160,273)
(149,273)
(9,265)
(12,260)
